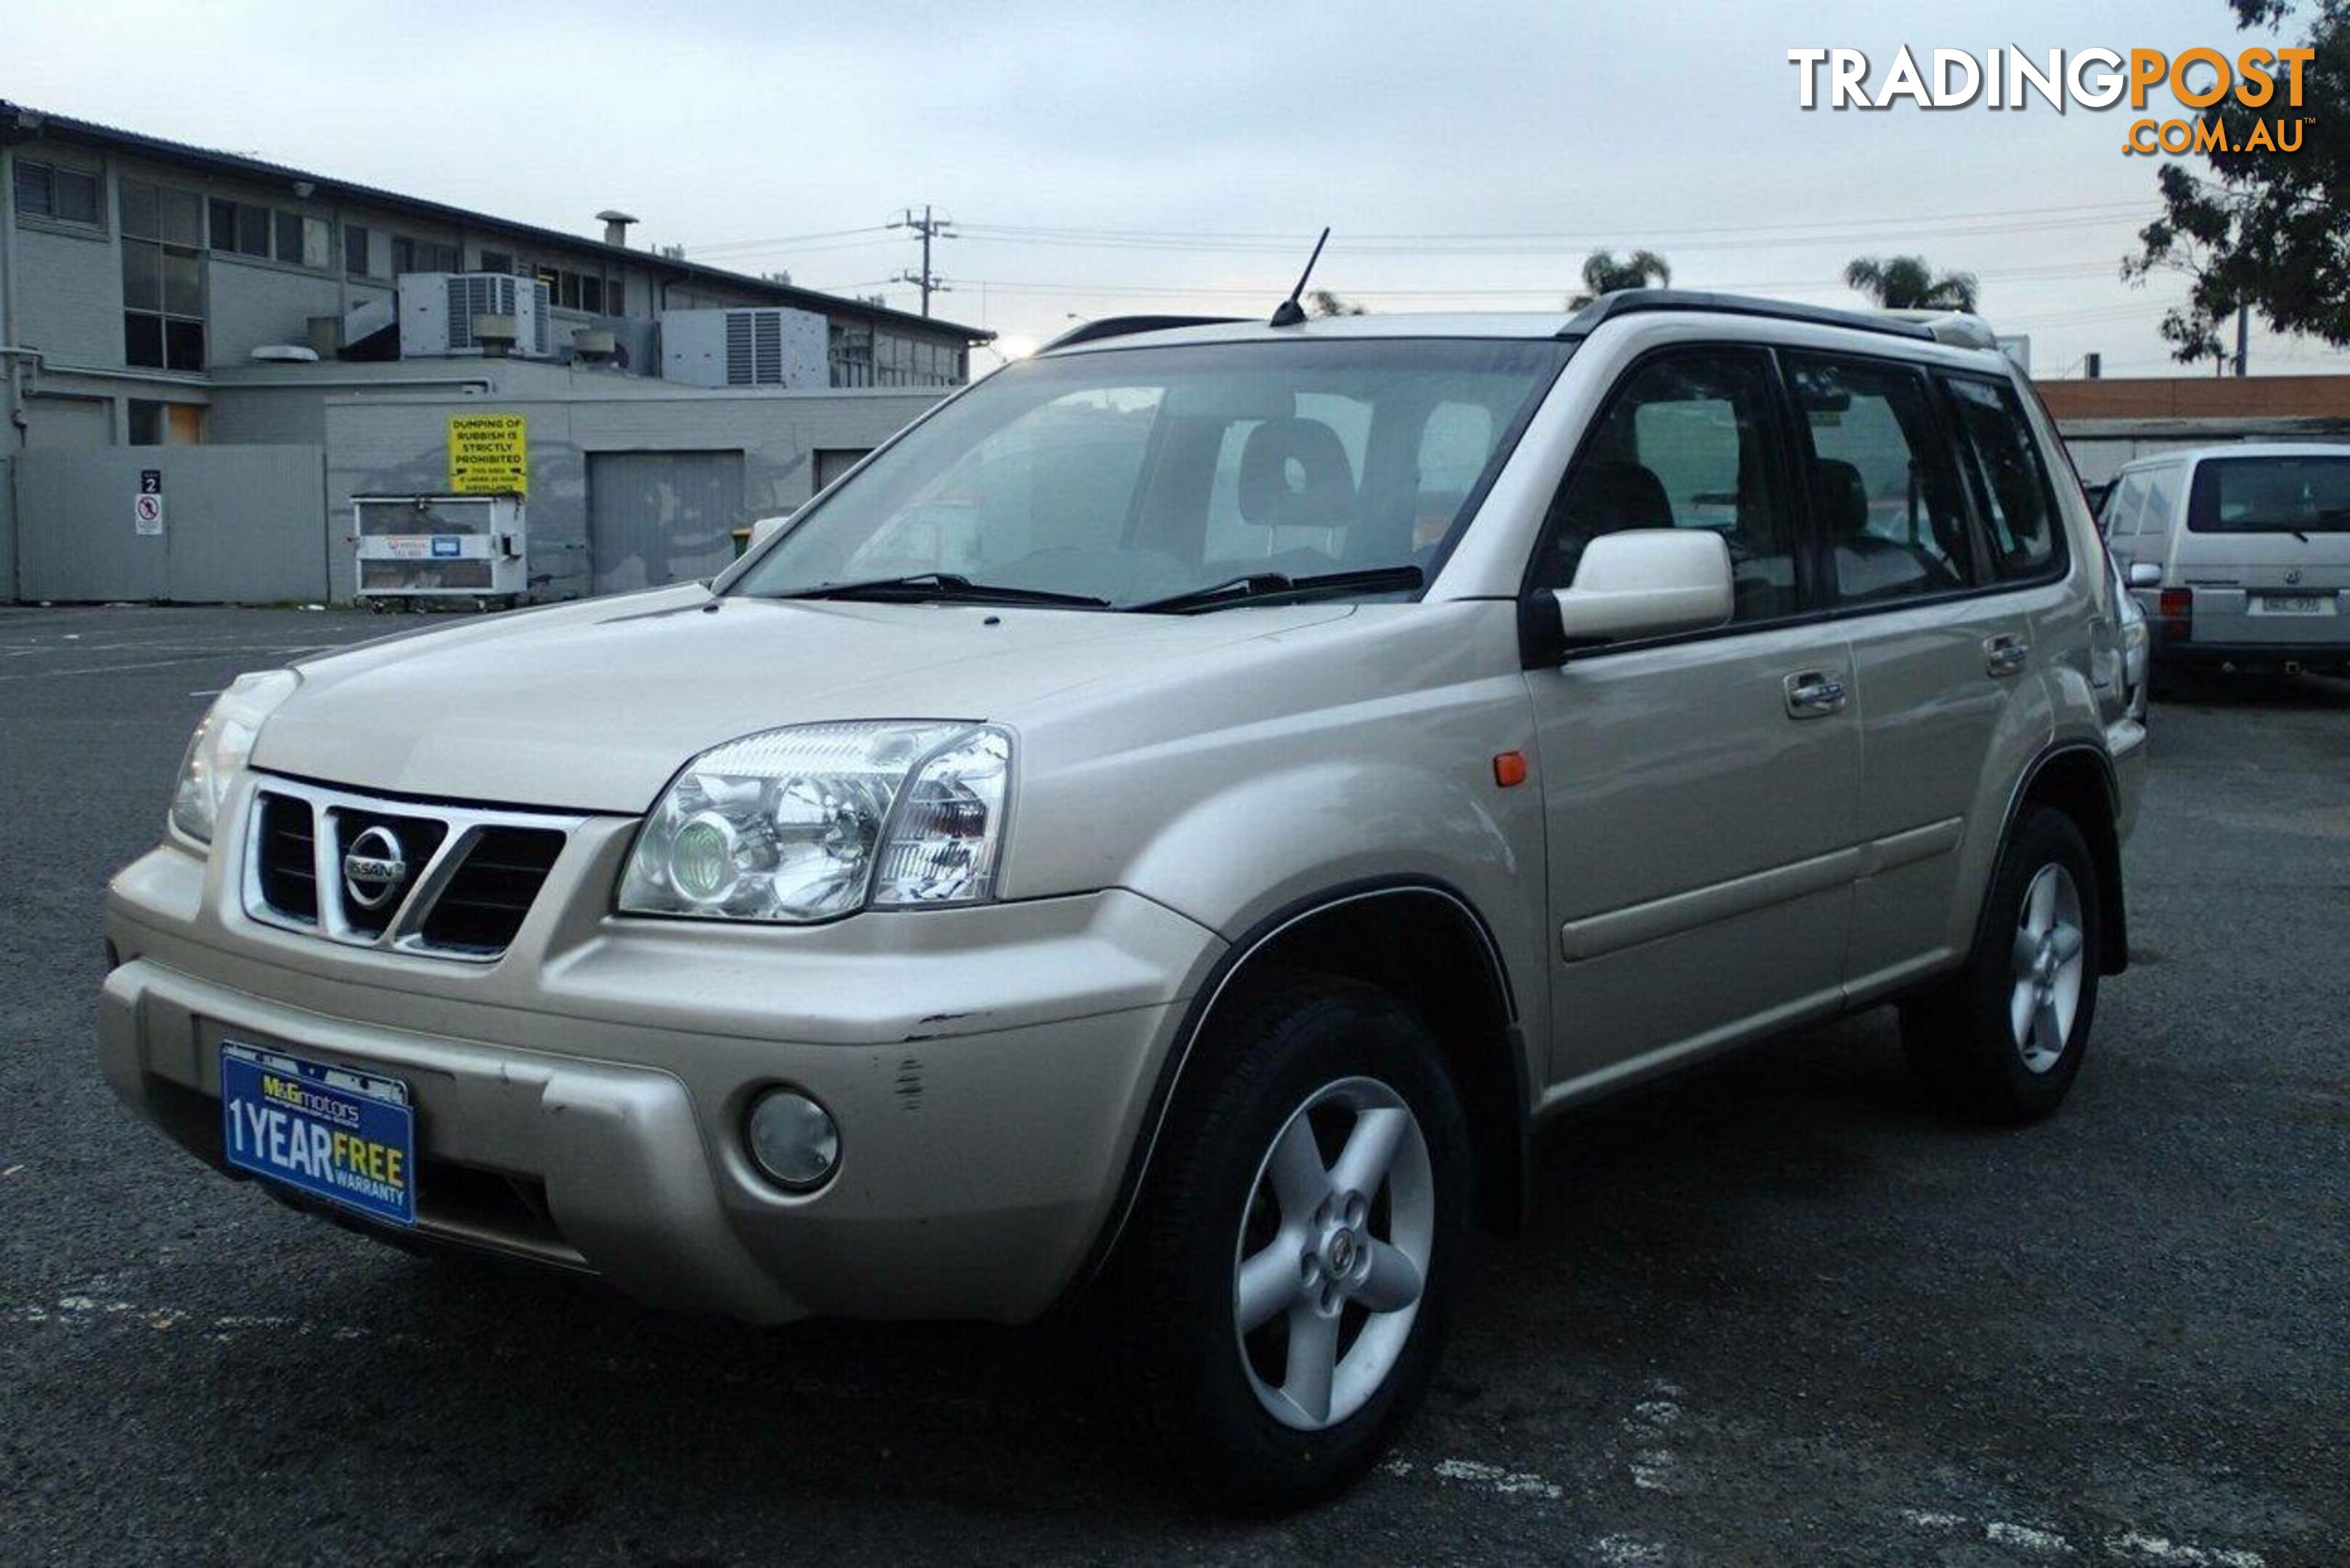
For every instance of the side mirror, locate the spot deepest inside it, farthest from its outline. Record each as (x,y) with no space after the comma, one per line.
(2145,574)
(1646,582)
(766,528)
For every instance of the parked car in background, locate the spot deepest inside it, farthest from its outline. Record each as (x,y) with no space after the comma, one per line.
(2240,555)
(1170,826)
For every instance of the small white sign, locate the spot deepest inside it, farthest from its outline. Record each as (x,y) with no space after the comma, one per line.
(146,513)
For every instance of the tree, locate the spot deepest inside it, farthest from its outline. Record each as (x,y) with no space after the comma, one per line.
(2264,230)
(1907,283)
(1602,273)
(1322,302)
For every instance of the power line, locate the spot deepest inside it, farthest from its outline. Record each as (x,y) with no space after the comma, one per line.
(1742,236)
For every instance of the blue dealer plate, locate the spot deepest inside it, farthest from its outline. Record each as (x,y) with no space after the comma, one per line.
(344,1135)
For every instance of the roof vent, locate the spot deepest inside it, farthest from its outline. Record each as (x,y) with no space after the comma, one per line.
(616,226)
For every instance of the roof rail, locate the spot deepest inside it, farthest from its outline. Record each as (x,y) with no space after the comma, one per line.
(1125,325)
(1633,301)
(1959,329)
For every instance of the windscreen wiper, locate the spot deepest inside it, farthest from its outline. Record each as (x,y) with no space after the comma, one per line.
(942,585)
(1260,587)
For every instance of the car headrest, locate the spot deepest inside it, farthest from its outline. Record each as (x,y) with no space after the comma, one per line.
(1842,498)
(1608,497)
(1294,472)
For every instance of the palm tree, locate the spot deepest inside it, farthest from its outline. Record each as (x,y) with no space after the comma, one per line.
(1602,273)
(1907,283)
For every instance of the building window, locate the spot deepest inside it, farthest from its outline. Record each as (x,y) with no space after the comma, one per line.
(497,261)
(303,241)
(64,195)
(355,251)
(166,424)
(579,290)
(423,255)
(162,277)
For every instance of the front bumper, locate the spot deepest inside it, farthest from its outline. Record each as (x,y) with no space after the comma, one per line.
(580,1102)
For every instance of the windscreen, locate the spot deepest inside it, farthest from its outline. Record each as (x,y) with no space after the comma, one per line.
(2270,495)
(1137,475)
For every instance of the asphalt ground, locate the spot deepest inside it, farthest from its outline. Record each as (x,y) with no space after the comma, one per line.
(1778,1311)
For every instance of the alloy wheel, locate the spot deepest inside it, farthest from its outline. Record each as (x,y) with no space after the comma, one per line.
(2050,958)
(1333,1252)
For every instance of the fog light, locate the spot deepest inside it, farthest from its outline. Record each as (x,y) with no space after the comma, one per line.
(794,1139)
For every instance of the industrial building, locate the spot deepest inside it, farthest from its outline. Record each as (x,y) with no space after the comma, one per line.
(221,379)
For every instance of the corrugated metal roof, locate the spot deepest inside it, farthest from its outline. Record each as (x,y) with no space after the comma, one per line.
(66,128)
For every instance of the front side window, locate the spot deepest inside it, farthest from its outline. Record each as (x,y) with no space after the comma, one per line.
(2270,495)
(1687,441)
(2019,503)
(1886,502)
(1134,474)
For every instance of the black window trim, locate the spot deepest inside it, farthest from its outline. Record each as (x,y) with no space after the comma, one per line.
(1815,614)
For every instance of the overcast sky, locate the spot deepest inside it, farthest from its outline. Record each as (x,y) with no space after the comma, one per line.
(1180,157)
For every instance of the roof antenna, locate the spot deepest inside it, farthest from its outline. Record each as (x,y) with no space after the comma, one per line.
(1289,313)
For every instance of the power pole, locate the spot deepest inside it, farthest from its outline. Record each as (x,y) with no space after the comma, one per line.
(2243,330)
(930,228)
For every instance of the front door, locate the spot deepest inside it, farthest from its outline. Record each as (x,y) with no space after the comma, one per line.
(1698,790)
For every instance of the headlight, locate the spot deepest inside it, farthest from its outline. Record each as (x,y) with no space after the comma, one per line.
(819,820)
(217,751)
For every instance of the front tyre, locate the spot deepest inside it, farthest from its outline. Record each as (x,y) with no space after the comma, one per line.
(1288,1279)
(2003,1039)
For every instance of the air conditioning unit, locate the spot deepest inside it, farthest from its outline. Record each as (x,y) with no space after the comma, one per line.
(770,346)
(441,316)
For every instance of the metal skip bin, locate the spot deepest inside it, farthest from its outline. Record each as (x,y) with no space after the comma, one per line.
(439,548)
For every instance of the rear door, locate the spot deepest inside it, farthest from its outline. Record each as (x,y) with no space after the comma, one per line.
(1941,652)
(1699,789)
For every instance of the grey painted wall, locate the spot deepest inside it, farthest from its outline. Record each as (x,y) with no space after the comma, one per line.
(398,445)
(240,522)
(7,531)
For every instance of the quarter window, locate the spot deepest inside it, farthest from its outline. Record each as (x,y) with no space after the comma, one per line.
(1687,443)
(2019,504)
(1886,504)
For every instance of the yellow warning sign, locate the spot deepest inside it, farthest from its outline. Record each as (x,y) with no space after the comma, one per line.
(489,454)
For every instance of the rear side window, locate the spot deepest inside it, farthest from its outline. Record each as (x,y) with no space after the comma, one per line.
(2270,495)
(1885,490)
(2019,504)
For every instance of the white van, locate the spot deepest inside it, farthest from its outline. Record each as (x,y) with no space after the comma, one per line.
(2240,554)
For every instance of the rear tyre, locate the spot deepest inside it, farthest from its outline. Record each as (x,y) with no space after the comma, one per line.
(2003,1039)
(1286,1283)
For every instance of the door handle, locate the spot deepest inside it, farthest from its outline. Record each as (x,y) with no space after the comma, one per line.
(1815,694)
(2006,654)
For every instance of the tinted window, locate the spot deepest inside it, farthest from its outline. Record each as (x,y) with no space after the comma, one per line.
(2270,495)
(1686,442)
(2019,504)
(1886,502)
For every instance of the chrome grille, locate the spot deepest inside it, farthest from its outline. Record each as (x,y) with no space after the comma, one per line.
(467,876)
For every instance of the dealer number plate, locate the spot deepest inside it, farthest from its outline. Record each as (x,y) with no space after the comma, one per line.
(343,1135)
